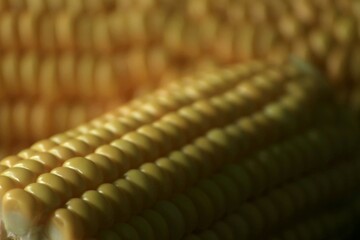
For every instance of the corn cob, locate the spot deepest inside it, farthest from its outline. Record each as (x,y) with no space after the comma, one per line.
(106,163)
(238,33)
(143,42)
(216,33)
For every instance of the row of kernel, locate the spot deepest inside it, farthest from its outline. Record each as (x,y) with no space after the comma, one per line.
(73,7)
(210,202)
(144,179)
(149,145)
(66,31)
(149,67)
(29,121)
(140,26)
(265,214)
(257,10)
(83,76)
(20,76)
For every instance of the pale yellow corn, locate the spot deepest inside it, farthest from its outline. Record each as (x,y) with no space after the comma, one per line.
(49,175)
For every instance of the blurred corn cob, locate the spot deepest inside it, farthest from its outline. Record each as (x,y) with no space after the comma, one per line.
(115,50)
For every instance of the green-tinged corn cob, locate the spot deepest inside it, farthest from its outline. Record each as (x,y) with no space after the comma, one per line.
(254,113)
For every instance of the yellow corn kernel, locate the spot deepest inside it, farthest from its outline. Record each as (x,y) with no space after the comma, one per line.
(118,197)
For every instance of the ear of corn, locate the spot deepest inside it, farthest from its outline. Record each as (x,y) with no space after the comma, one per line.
(148,165)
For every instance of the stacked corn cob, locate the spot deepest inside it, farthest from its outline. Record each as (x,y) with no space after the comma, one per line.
(60,54)
(187,158)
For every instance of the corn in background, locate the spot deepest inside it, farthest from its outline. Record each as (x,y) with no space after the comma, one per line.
(80,59)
